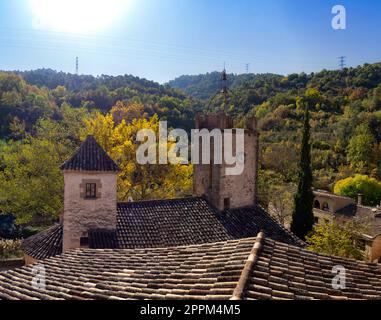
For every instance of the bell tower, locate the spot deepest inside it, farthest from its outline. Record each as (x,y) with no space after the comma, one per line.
(210,181)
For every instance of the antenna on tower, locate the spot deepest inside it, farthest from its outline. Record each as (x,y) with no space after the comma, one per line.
(76,65)
(342,62)
(225,90)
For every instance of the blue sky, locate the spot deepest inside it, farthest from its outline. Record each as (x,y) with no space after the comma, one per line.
(162,39)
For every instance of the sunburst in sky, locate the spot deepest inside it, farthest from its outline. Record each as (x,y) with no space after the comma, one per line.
(80,16)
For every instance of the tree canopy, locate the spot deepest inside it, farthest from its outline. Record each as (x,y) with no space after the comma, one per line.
(370,188)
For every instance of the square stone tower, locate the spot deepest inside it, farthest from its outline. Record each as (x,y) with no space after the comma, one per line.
(90,194)
(210,180)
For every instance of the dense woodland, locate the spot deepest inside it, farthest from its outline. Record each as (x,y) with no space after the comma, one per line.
(45,114)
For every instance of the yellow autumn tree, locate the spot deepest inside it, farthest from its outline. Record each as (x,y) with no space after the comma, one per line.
(128,112)
(141,182)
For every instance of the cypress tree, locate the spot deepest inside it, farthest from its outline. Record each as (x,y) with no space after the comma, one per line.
(302,217)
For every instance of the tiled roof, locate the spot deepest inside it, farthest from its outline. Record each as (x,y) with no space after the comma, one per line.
(90,157)
(287,272)
(171,223)
(165,223)
(103,239)
(247,222)
(370,217)
(45,244)
(251,268)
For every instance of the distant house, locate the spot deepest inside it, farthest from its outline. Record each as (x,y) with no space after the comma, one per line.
(329,207)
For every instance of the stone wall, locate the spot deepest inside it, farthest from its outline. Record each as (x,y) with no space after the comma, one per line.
(81,214)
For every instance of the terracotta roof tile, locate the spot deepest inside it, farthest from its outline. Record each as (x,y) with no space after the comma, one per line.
(206,271)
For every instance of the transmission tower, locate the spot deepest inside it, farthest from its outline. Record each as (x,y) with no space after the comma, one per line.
(76,65)
(342,62)
(247,65)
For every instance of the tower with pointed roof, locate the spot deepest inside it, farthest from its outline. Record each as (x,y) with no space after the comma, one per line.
(90,194)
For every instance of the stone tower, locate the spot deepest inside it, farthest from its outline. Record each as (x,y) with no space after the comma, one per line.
(90,194)
(210,180)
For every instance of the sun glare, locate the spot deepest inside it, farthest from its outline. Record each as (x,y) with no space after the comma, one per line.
(80,16)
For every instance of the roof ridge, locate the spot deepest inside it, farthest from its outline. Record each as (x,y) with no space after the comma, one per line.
(159,200)
(249,265)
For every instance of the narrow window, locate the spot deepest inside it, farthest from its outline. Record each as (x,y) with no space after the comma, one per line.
(227,203)
(316,220)
(210,176)
(91,190)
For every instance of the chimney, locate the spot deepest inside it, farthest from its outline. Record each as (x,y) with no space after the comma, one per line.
(359,199)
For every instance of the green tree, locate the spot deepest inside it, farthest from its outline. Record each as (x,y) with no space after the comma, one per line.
(360,149)
(370,188)
(302,217)
(336,239)
(31,181)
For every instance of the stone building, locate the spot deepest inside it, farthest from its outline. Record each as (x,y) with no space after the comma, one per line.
(222,208)
(330,208)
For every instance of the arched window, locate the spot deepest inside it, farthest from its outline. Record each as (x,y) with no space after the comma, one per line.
(317,204)
(325,206)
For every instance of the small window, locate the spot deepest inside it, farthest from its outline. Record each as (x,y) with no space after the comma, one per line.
(227,203)
(84,242)
(317,204)
(361,244)
(325,206)
(316,219)
(91,190)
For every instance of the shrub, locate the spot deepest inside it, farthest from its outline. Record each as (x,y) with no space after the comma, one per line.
(10,249)
(336,239)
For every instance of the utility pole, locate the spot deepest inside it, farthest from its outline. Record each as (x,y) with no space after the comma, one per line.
(76,65)
(342,62)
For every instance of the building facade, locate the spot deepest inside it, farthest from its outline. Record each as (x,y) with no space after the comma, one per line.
(329,208)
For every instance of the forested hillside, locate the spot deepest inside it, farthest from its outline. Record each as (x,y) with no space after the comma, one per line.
(345,118)
(27,96)
(205,86)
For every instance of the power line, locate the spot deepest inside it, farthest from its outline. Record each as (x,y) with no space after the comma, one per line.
(342,62)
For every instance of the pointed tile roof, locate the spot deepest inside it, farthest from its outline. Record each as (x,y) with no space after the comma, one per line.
(90,157)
